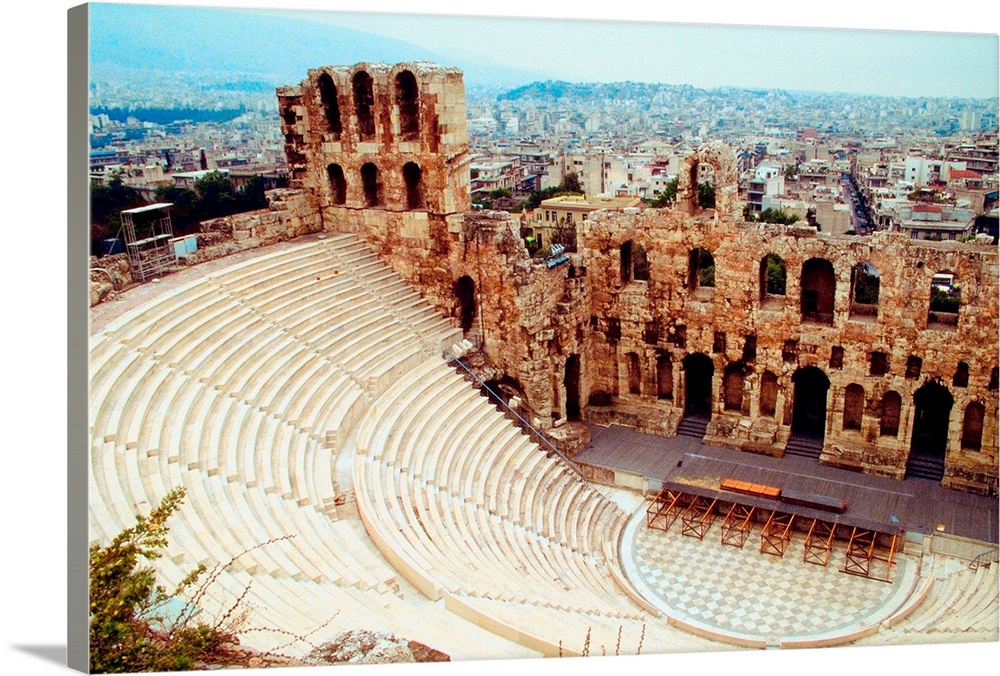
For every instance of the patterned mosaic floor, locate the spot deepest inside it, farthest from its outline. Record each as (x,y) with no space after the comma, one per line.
(754,594)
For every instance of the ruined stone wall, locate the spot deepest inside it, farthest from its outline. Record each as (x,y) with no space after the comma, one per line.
(342,119)
(718,321)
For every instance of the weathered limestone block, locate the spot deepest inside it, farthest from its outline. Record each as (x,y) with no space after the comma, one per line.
(570,438)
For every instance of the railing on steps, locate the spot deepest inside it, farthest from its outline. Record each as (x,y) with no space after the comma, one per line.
(986,558)
(532,432)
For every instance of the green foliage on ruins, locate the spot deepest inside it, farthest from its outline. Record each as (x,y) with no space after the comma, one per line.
(132,628)
(866,289)
(776,275)
(943,301)
(769,215)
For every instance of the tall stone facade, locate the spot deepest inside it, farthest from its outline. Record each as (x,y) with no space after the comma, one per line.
(768,332)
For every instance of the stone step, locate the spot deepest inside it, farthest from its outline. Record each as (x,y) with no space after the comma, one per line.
(804,447)
(692,427)
(923,467)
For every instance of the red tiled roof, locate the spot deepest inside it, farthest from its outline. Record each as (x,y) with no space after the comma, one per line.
(963,173)
(926,209)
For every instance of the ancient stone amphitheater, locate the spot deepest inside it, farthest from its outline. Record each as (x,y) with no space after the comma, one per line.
(302,400)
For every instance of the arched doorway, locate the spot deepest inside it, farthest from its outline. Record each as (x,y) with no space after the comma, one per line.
(571,380)
(465,293)
(809,402)
(698,372)
(931,412)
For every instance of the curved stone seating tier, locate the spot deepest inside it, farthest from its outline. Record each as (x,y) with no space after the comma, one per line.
(203,389)
(961,601)
(558,631)
(462,503)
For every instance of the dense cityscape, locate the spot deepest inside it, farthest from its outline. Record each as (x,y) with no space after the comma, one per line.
(846,162)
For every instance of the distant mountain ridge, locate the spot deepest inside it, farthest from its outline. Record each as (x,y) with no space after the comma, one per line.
(202,39)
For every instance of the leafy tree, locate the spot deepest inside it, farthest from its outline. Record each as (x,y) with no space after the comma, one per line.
(252,195)
(184,214)
(571,183)
(500,193)
(107,201)
(866,289)
(706,195)
(942,301)
(779,216)
(706,275)
(215,195)
(130,627)
(667,196)
(776,276)
(537,196)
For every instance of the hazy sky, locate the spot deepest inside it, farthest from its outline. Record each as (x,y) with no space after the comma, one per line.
(871,61)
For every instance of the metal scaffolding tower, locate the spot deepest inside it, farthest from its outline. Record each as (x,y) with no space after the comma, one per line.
(148,235)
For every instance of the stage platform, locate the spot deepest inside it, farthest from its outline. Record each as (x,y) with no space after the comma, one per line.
(885,505)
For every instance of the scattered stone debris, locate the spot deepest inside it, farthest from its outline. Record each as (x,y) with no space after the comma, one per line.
(363,646)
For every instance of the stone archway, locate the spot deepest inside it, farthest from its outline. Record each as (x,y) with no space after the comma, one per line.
(465,294)
(932,405)
(809,402)
(698,373)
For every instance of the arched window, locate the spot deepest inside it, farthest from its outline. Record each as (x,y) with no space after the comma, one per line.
(889,423)
(664,377)
(854,406)
(371,185)
(732,387)
(946,299)
(414,189)
(864,291)
(331,107)
(364,104)
(634,376)
(972,426)
(818,288)
(772,281)
(768,394)
(338,184)
(408,100)
(701,269)
(961,377)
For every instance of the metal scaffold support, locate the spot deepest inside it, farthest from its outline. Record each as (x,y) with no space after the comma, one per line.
(149,238)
